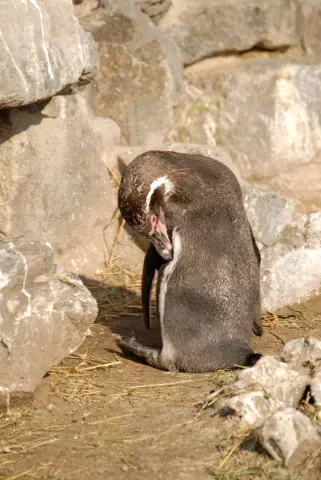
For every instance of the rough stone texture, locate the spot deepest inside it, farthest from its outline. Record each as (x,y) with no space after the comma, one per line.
(302,352)
(302,182)
(251,408)
(43,51)
(141,73)
(268,213)
(127,154)
(276,379)
(54,184)
(260,390)
(310,25)
(316,390)
(195,119)
(266,395)
(82,8)
(155,9)
(264,112)
(291,269)
(290,437)
(204,29)
(45,313)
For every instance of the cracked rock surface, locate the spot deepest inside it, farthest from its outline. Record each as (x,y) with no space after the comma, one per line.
(140,80)
(290,269)
(45,313)
(203,29)
(33,37)
(61,192)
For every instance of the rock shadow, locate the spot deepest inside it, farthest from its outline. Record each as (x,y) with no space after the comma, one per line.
(16,120)
(251,443)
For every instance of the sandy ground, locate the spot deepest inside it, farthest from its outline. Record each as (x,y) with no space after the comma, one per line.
(99,415)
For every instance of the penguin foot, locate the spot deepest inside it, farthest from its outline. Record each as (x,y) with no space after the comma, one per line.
(130,344)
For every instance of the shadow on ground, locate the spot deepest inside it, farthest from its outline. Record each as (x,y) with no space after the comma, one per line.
(127,308)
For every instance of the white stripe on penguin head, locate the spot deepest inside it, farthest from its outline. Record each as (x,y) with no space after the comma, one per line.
(169,187)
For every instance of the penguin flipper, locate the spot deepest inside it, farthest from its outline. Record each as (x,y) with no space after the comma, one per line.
(257,320)
(256,249)
(152,262)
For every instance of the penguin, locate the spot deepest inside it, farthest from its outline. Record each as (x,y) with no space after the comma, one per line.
(191,209)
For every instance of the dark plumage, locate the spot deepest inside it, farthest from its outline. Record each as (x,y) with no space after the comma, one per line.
(208,299)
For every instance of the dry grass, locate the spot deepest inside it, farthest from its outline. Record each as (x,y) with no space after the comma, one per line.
(288,317)
(273,320)
(75,381)
(22,439)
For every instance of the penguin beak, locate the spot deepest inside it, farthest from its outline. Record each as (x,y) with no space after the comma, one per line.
(161,241)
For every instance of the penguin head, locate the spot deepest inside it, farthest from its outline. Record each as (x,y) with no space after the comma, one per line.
(143,194)
(163,190)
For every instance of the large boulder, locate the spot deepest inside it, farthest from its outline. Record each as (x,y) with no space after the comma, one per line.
(54,182)
(262,111)
(207,28)
(45,313)
(291,268)
(141,73)
(44,51)
(268,213)
(302,182)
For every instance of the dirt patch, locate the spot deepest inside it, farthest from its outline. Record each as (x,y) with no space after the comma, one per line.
(99,415)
